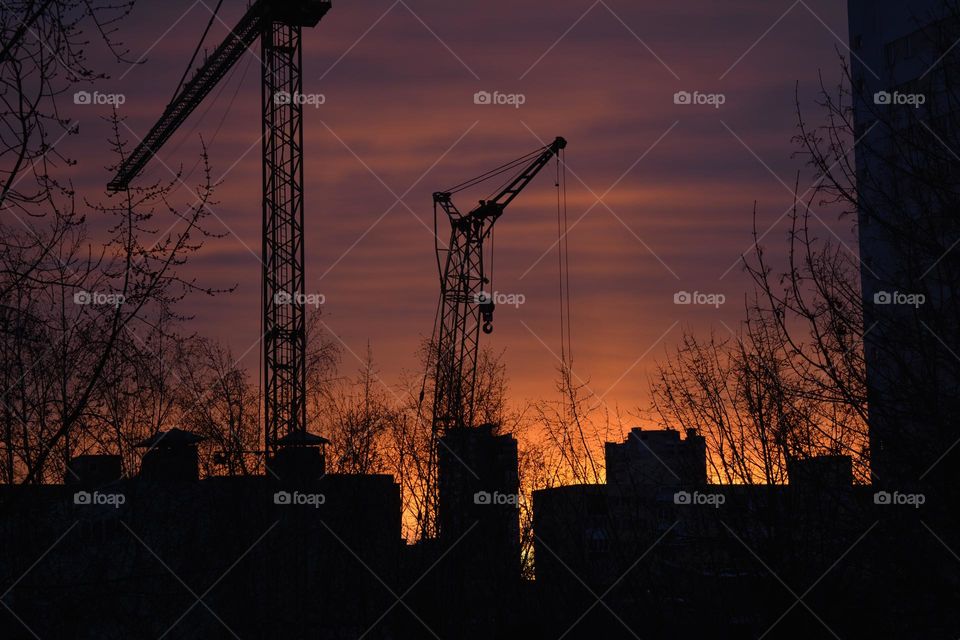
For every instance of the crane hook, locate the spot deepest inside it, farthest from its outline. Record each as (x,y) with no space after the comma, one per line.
(486,311)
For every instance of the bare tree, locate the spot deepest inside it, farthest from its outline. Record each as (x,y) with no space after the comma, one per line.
(83,299)
(360,416)
(574,427)
(217,400)
(792,381)
(789,383)
(43,59)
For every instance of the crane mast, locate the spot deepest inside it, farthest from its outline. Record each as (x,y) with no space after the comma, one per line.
(278,24)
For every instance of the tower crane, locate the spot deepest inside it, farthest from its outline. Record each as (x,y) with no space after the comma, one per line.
(278,25)
(465,306)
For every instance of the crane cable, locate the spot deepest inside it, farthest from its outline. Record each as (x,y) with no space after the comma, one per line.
(223,117)
(193,58)
(566,252)
(434,335)
(493,237)
(563,260)
(494,172)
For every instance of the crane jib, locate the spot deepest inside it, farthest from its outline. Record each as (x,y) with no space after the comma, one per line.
(257,18)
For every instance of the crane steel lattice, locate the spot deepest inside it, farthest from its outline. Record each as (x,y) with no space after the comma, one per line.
(278,24)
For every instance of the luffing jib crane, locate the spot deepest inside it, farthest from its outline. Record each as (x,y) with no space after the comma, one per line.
(465,306)
(278,24)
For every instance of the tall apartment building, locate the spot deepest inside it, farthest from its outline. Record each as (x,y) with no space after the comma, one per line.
(903,64)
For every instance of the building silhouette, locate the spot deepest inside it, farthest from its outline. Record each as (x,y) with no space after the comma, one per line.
(656,551)
(903,66)
(164,552)
(673,555)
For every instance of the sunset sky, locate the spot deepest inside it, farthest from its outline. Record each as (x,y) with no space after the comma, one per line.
(660,195)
